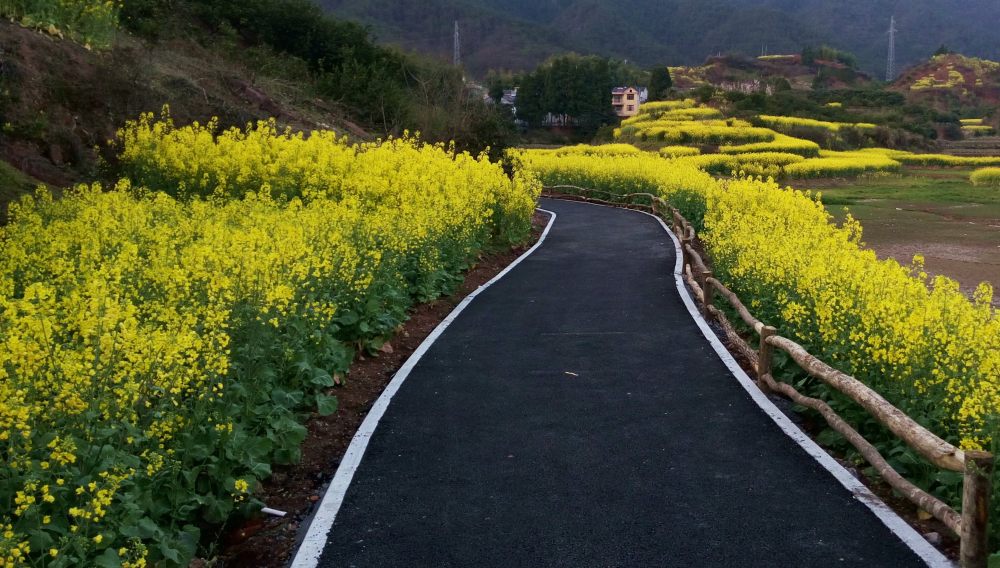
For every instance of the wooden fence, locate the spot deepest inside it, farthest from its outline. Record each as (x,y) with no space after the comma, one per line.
(970,525)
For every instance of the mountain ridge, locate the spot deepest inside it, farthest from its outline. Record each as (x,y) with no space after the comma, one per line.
(518,34)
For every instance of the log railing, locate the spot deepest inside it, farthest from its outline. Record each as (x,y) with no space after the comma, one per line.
(970,525)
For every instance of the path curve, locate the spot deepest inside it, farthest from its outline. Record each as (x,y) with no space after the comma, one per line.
(574,415)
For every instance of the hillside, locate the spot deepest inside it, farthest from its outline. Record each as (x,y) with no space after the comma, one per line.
(60,100)
(518,34)
(953,80)
(739,73)
(67,84)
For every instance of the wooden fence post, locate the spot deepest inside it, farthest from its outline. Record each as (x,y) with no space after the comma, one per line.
(708,291)
(765,355)
(975,509)
(685,243)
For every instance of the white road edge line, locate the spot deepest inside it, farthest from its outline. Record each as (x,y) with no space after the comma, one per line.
(313,544)
(910,537)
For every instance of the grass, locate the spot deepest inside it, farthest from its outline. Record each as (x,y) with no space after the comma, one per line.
(13,184)
(914,185)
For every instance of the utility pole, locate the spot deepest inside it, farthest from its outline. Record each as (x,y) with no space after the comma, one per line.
(458,46)
(890,68)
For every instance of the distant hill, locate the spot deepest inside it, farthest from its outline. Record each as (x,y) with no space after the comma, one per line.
(741,73)
(953,80)
(517,34)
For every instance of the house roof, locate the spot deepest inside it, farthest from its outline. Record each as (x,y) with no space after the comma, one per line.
(621,90)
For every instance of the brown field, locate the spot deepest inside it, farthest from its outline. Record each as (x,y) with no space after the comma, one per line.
(937,213)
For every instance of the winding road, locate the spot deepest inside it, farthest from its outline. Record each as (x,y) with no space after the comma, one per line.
(576,414)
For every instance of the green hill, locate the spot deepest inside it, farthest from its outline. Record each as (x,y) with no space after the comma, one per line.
(517,34)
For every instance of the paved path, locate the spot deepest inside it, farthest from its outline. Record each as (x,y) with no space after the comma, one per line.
(574,415)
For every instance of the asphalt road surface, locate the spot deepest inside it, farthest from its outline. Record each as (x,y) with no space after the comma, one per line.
(574,415)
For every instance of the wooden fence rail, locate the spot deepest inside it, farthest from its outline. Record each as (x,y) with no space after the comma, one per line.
(970,525)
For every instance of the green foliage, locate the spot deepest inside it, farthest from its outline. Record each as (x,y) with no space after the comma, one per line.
(91,22)
(870,98)
(579,86)
(901,125)
(384,88)
(810,55)
(660,83)
(499,81)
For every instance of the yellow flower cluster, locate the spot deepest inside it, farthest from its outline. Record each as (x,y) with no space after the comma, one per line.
(122,309)
(912,340)
(947,160)
(644,173)
(784,122)
(922,344)
(767,164)
(655,108)
(675,115)
(197,160)
(842,164)
(679,151)
(986,176)
(955,78)
(977,130)
(781,143)
(716,132)
(602,150)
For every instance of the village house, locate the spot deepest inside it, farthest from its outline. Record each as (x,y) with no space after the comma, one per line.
(625,101)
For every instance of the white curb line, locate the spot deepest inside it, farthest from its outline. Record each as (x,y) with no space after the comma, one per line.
(314,542)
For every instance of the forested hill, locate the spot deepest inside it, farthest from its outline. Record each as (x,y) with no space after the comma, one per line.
(518,34)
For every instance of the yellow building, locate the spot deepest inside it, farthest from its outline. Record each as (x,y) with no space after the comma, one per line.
(625,101)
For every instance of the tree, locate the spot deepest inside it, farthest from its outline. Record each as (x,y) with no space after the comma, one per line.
(499,81)
(660,83)
(574,85)
(781,84)
(943,50)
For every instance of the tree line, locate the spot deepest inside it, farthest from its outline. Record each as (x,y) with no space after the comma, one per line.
(578,86)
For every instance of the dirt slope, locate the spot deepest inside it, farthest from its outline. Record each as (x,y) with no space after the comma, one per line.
(60,103)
